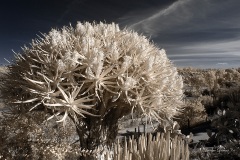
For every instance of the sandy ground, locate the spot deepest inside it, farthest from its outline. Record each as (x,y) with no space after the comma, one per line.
(196,137)
(200,136)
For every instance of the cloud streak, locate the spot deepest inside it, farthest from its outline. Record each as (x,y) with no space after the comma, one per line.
(225,54)
(190,15)
(196,30)
(173,16)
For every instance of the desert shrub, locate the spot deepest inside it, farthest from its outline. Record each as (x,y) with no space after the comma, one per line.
(233,151)
(194,112)
(211,86)
(227,120)
(229,151)
(209,104)
(146,147)
(210,80)
(14,131)
(25,136)
(93,74)
(221,101)
(207,101)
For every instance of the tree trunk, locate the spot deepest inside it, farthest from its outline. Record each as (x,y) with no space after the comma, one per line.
(103,129)
(95,133)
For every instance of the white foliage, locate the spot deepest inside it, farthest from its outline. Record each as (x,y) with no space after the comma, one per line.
(77,66)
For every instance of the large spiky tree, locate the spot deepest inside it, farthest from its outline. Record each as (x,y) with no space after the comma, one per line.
(93,74)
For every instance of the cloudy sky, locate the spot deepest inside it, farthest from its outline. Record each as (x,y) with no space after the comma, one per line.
(198,33)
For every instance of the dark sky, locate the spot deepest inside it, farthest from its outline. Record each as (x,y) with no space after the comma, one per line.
(199,33)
